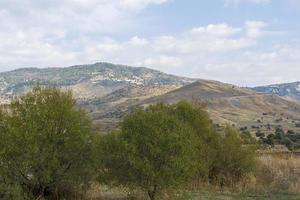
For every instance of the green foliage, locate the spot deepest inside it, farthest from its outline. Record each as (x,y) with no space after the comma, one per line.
(235,159)
(208,140)
(164,146)
(247,138)
(45,144)
(279,134)
(154,151)
(288,143)
(259,134)
(289,139)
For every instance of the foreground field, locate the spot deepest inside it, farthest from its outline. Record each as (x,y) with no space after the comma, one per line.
(216,196)
(277,178)
(211,196)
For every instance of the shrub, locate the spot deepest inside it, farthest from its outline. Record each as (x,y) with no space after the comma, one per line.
(164,146)
(154,151)
(45,144)
(277,175)
(259,134)
(235,160)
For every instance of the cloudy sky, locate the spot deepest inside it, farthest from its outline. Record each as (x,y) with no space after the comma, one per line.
(244,42)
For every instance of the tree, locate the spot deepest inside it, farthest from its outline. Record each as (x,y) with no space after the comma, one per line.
(247,138)
(45,144)
(259,134)
(288,143)
(271,140)
(279,134)
(208,140)
(153,151)
(235,159)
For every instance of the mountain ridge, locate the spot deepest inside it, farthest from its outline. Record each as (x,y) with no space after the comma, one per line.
(100,79)
(290,91)
(108,92)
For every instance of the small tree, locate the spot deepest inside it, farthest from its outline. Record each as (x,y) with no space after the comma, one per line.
(235,159)
(154,151)
(45,144)
(208,140)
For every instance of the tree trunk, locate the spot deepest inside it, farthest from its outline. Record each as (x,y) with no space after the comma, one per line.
(152,193)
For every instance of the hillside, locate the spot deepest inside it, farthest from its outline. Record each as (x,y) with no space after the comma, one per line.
(239,106)
(108,92)
(287,90)
(87,81)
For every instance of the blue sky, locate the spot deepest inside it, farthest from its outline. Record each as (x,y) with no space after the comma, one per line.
(244,42)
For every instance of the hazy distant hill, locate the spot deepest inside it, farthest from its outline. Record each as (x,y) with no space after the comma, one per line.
(87,81)
(288,90)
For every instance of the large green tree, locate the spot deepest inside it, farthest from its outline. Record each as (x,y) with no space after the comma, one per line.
(45,145)
(154,150)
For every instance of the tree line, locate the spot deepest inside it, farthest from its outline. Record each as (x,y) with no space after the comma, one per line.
(49,149)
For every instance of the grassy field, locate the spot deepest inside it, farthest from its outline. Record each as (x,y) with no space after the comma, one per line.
(277,178)
(220,196)
(215,196)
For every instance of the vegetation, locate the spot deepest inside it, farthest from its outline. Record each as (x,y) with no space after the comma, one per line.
(235,160)
(290,139)
(45,146)
(154,151)
(277,174)
(49,151)
(165,146)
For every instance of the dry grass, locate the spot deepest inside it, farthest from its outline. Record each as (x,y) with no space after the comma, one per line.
(277,174)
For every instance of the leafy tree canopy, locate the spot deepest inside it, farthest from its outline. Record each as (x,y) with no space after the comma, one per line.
(45,143)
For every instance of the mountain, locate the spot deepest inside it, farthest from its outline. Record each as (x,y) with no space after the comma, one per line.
(241,107)
(88,81)
(287,90)
(226,104)
(108,92)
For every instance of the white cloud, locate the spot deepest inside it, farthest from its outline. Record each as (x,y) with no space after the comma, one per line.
(65,32)
(71,17)
(216,29)
(251,68)
(210,38)
(212,51)
(137,41)
(162,62)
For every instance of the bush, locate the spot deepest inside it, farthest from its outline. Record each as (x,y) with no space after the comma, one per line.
(259,134)
(164,146)
(45,145)
(154,151)
(235,160)
(247,138)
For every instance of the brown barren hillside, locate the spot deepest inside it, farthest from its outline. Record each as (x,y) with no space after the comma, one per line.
(226,103)
(231,104)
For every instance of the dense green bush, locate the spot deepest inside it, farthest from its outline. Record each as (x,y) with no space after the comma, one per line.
(45,145)
(154,151)
(236,160)
(164,146)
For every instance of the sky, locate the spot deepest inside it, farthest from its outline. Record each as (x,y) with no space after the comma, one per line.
(243,42)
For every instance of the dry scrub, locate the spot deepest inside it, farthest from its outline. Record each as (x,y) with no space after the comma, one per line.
(277,174)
